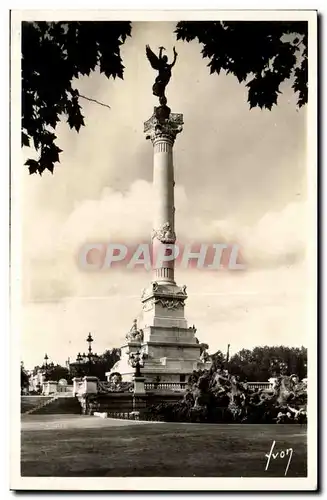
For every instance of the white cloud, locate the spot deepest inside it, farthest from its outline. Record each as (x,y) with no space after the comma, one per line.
(277,238)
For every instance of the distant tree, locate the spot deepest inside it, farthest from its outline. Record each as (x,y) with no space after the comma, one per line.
(36,369)
(24,379)
(242,364)
(98,367)
(105,362)
(264,362)
(54,54)
(56,372)
(262,54)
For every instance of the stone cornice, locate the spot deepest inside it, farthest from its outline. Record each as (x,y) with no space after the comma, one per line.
(172,344)
(157,290)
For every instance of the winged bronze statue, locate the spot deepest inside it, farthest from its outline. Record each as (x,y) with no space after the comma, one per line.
(160,63)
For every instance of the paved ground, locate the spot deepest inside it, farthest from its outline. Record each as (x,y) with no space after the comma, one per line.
(70,445)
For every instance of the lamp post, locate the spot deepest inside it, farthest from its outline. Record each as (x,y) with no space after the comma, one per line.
(79,361)
(91,357)
(45,366)
(136,361)
(89,340)
(84,361)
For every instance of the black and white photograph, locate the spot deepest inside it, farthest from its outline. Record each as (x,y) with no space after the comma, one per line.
(163,250)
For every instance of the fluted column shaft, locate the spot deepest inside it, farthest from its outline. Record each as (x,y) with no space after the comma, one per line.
(163,134)
(163,217)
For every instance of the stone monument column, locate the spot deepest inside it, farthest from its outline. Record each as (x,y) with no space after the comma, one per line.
(168,346)
(162,128)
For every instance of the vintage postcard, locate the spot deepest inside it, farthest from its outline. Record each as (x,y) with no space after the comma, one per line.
(163,250)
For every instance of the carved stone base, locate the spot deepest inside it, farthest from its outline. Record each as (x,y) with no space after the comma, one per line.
(169,345)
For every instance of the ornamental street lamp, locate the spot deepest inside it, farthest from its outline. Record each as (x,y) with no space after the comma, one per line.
(136,360)
(45,366)
(89,340)
(83,363)
(90,357)
(79,361)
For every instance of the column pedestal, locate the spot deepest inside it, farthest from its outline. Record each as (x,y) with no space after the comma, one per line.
(139,389)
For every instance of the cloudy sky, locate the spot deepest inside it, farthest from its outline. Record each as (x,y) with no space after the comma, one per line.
(240,177)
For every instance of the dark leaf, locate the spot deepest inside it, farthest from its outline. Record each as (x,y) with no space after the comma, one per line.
(250,48)
(33,166)
(25,140)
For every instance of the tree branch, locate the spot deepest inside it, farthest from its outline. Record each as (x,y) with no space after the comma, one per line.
(94,100)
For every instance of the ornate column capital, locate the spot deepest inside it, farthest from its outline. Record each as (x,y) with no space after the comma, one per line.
(163,125)
(164,234)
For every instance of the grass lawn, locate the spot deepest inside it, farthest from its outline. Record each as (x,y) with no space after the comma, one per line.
(29,402)
(62,445)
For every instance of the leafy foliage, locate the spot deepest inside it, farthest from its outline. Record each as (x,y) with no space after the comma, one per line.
(267,361)
(24,379)
(53,55)
(268,52)
(56,372)
(105,362)
(263,362)
(98,367)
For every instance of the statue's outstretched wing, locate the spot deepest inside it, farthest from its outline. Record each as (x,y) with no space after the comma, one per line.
(154,61)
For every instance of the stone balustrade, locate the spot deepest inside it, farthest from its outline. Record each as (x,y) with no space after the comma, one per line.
(165,386)
(260,385)
(92,385)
